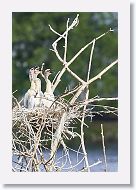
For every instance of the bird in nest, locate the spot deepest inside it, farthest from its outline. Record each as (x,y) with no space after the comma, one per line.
(48,97)
(33,97)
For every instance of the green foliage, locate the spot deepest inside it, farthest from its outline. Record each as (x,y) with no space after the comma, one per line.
(32,40)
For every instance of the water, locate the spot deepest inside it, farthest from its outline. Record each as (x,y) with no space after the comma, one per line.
(93,156)
(112,159)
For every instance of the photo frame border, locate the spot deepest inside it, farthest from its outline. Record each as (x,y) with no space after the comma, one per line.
(123,174)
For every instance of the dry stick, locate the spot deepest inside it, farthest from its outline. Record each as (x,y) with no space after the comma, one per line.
(58,78)
(74,23)
(54,45)
(96,100)
(37,140)
(14,92)
(102,72)
(55,31)
(66,151)
(82,87)
(64,59)
(82,49)
(103,144)
(16,101)
(64,35)
(57,135)
(83,118)
(96,163)
(75,75)
(55,77)
(100,99)
(71,61)
(66,44)
(107,109)
(69,92)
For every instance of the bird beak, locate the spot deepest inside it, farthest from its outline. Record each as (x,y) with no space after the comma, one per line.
(48,71)
(37,70)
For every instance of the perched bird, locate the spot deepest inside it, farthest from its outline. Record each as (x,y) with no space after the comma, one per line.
(39,93)
(29,98)
(48,94)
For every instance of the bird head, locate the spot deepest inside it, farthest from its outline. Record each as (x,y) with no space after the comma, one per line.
(47,72)
(31,70)
(31,73)
(37,71)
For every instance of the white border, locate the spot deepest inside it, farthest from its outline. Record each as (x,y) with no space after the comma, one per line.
(123,174)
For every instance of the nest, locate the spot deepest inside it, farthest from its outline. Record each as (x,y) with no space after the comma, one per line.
(44,129)
(39,127)
(47,117)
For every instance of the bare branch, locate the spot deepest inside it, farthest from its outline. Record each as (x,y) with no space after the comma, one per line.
(55,31)
(86,46)
(92,80)
(104,152)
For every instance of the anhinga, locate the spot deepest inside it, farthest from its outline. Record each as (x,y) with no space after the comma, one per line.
(39,93)
(48,94)
(29,101)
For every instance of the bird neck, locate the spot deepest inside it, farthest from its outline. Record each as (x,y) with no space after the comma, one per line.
(35,84)
(48,86)
(32,86)
(38,84)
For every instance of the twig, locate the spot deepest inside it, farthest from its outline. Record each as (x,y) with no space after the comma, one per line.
(82,123)
(81,50)
(101,99)
(103,144)
(65,63)
(96,163)
(16,101)
(98,76)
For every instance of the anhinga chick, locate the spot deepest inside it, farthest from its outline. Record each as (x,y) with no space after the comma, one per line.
(39,93)
(29,101)
(48,94)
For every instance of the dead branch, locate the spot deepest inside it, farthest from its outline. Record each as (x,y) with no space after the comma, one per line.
(98,76)
(103,144)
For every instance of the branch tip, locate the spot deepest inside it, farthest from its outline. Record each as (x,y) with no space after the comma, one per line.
(111,30)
